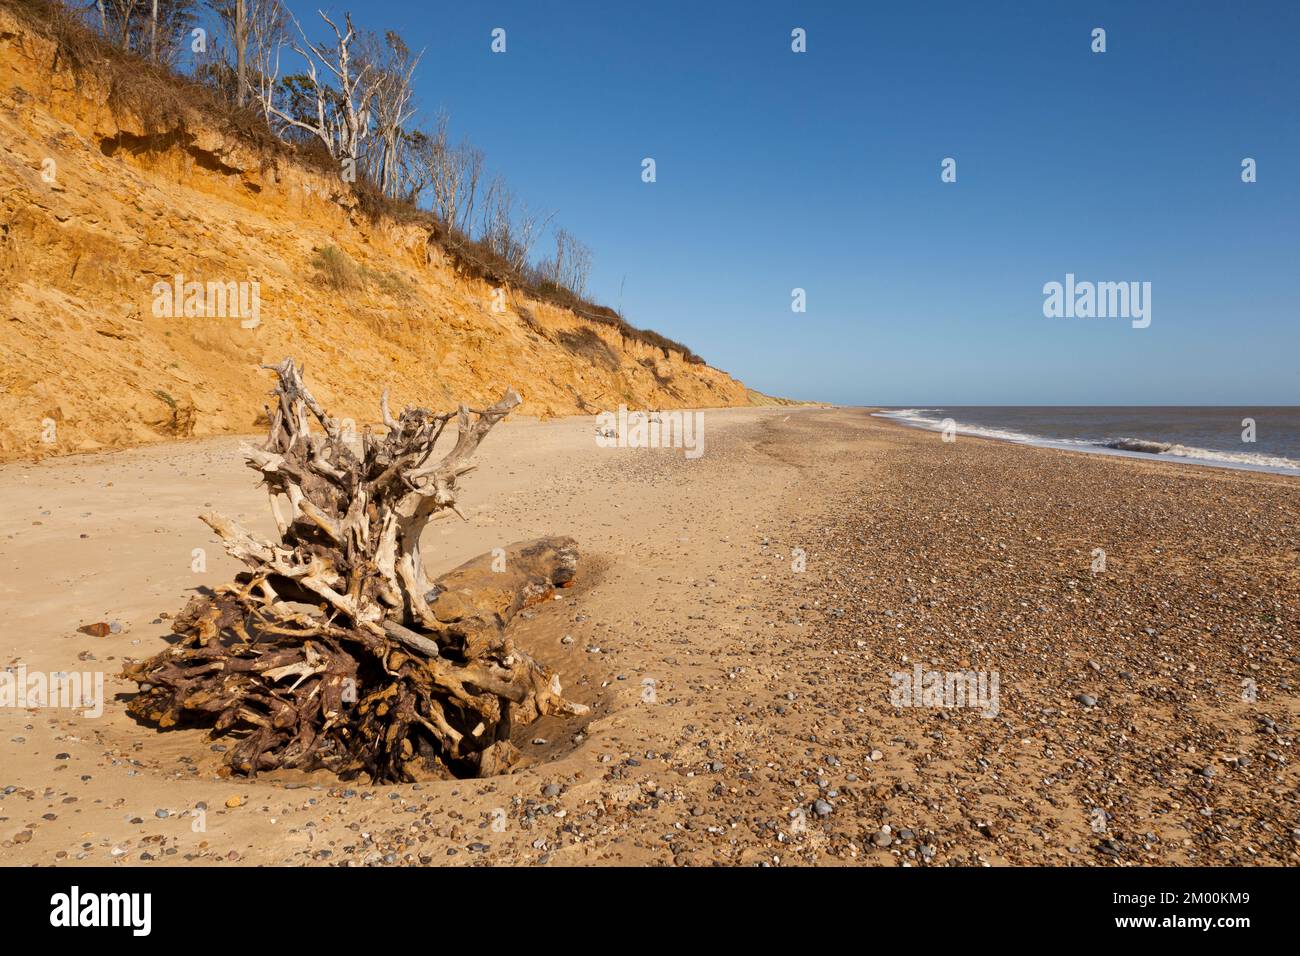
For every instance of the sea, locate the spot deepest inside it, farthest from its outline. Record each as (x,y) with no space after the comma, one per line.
(1255,438)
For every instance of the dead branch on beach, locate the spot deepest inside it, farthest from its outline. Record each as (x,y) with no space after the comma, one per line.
(334,650)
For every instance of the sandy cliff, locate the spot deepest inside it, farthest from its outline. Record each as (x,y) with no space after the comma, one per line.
(95,210)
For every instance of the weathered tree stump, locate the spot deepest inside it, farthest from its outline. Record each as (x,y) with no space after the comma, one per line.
(334,650)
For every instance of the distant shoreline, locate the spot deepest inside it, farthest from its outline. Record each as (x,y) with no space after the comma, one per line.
(1173,453)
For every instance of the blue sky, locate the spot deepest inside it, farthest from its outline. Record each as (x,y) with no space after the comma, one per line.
(821,170)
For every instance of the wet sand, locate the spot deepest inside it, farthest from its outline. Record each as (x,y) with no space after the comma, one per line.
(740,690)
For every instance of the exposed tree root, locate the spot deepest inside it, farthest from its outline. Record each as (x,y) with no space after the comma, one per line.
(334,650)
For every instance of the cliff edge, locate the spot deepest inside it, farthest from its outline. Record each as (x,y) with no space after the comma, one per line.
(146,273)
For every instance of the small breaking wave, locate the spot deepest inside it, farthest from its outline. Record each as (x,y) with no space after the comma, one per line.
(1140,444)
(929,419)
(932,420)
(1191,452)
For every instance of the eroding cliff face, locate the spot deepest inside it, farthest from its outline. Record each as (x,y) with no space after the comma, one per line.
(98,215)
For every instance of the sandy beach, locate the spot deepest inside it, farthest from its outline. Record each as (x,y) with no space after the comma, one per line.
(734,627)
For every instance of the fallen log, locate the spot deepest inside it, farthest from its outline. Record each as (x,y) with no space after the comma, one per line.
(334,650)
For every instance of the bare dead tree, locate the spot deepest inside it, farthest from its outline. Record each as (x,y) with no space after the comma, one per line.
(469,163)
(449,174)
(236,18)
(510,230)
(497,211)
(240,31)
(461,171)
(355,92)
(268,33)
(422,163)
(342,110)
(528,229)
(414,172)
(152,28)
(571,264)
(392,69)
(334,649)
(552,270)
(579,269)
(119,23)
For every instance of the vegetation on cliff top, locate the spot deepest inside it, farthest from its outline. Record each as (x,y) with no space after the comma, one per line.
(349,115)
